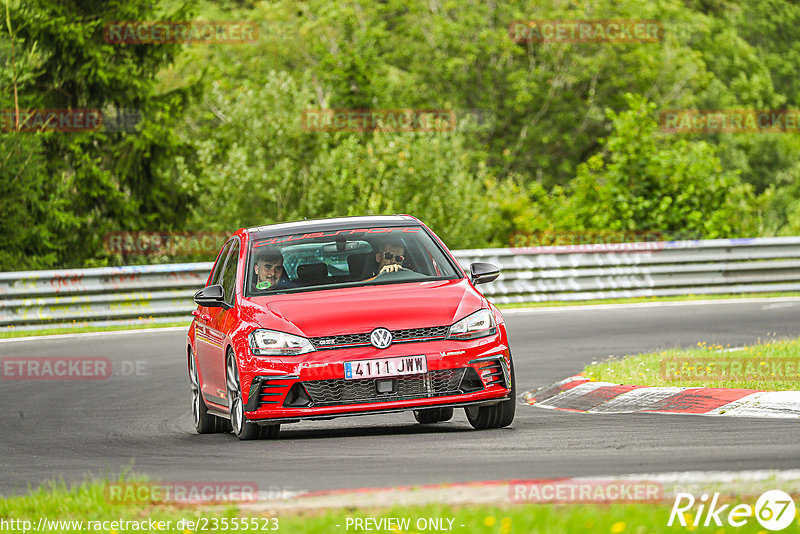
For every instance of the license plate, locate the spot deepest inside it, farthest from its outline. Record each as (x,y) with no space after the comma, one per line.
(379,368)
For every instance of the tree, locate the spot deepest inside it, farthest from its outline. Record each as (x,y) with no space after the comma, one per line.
(102,181)
(35,211)
(282,171)
(643,179)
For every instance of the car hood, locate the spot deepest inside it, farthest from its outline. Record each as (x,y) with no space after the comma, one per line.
(361,309)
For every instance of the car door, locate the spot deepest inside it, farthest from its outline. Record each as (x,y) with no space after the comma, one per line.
(208,339)
(221,321)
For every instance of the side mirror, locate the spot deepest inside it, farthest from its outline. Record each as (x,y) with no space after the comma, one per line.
(211,297)
(480,272)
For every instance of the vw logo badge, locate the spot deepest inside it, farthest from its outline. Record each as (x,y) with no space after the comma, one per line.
(380,338)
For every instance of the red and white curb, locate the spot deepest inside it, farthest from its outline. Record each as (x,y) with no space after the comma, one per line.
(579,394)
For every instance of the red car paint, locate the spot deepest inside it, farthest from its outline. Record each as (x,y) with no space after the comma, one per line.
(349,310)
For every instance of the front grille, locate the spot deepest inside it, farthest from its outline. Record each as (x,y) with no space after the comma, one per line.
(344,339)
(356,340)
(420,333)
(340,391)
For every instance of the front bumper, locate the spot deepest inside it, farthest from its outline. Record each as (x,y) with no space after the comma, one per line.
(459,374)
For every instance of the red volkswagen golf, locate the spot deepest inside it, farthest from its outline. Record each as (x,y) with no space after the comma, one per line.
(350,316)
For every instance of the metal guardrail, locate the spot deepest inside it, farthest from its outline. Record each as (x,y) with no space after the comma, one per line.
(623,270)
(100,297)
(162,293)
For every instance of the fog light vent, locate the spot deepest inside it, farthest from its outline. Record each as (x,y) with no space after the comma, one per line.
(471,381)
(297,397)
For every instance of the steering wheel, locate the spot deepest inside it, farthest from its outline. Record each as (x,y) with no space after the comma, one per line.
(399,275)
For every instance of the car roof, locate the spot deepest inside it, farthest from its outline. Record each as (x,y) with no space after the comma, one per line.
(324,225)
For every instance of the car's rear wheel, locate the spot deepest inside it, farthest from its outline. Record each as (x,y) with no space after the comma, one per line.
(242,428)
(204,422)
(433,415)
(497,415)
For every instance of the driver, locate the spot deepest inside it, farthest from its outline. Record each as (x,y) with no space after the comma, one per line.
(388,258)
(269,272)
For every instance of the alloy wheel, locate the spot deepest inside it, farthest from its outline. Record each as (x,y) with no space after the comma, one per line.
(234,396)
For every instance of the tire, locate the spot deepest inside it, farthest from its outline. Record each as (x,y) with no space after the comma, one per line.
(497,415)
(433,415)
(204,422)
(241,427)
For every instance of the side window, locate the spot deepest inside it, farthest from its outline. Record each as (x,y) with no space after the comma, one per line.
(217,270)
(229,273)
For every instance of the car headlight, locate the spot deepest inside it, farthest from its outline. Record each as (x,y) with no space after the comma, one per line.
(479,324)
(274,343)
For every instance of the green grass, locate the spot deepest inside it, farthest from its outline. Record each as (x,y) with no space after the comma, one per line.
(11,332)
(87,502)
(773,366)
(680,298)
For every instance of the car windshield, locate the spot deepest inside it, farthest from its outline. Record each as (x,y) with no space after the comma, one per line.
(345,258)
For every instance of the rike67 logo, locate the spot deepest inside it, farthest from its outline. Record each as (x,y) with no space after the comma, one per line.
(774,510)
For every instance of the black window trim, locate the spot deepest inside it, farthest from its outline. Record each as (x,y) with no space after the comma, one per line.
(219,263)
(236,240)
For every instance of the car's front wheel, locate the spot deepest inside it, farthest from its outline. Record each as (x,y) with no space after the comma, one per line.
(497,415)
(204,422)
(242,428)
(433,415)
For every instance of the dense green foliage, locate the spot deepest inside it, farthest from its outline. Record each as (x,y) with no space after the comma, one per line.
(548,136)
(61,192)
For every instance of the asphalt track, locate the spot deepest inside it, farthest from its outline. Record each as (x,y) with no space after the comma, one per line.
(74,429)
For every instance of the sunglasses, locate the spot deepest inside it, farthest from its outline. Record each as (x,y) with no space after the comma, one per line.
(389,256)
